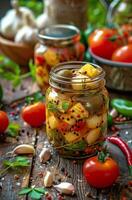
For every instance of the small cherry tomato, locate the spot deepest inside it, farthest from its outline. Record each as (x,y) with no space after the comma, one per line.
(123,54)
(100,174)
(103,42)
(4,121)
(34,114)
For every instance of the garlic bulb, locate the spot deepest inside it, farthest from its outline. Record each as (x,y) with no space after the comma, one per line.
(27,34)
(65,188)
(14,20)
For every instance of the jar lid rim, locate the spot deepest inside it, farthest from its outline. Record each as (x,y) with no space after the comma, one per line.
(46,33)
(57,78)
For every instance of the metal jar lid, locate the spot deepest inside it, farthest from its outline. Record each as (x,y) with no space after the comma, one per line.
(59,34)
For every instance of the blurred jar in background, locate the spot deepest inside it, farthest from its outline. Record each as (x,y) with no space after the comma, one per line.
(64,12)
(120,12)
(56,44)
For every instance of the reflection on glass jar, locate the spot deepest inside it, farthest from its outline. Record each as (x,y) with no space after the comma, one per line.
(76,109)
(57,44)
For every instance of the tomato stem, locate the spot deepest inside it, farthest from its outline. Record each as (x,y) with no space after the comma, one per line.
(102,155)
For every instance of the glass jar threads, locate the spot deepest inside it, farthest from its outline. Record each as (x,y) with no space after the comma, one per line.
(58,43)
(76,107)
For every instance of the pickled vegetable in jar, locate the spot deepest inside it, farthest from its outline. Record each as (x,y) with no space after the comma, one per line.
(57,44)
(76,109)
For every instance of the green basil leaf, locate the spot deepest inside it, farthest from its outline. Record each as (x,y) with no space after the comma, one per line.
(13,129)
(7,163)
(17,162)
(38,97)
(35,195)
(41,190)
(24,191)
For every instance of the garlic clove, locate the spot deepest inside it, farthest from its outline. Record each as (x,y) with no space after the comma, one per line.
(24,149)
(44,155)
(65,188)
(48,179)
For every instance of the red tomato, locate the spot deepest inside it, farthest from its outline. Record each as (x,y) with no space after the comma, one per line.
(34,114)
(4,121)
(123,54)
(100,174)
(101,42)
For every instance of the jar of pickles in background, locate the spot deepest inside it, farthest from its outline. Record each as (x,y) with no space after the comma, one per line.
(57,43)
(76,109)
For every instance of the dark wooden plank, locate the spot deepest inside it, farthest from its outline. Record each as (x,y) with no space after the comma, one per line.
(28,87)
(15,179)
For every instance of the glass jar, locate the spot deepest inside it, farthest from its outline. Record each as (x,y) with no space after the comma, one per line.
(57,44)
(120,12)
(76,110)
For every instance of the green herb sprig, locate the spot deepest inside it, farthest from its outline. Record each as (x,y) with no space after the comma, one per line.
(36,97)
(12,72)
(13,129)
(33,192)
(17,162)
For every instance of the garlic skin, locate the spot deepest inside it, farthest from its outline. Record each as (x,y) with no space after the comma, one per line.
(24,149)
(27,35)
(42,21)
(44,155)
(65,188)
(14,20)
(48,179)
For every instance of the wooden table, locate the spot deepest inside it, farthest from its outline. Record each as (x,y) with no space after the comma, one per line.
(70,170)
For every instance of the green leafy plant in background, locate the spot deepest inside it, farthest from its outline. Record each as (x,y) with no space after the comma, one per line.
(12,72)
(35,5)
(97,12)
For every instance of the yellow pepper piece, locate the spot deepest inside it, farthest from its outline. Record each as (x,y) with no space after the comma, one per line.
(70,137)
(89,70)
